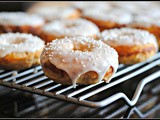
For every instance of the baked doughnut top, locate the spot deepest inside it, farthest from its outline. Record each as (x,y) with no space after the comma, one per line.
(19,19)
(88,4)
(69,28)
(134,6)
(146,18)
(145,21)
(19,42)
(115,15)
(53,12)
(128,37)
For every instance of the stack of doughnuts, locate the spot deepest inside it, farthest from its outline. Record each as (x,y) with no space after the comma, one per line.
(80,43)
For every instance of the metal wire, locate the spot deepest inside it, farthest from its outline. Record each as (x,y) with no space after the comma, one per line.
(33,80)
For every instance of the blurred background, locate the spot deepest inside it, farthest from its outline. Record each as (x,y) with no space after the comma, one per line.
(14,6)
(23,6)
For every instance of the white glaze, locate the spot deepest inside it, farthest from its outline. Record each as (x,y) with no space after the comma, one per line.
(133,6)
(147,11)
(146,20)
(69,28)
(146,17)
(75,62)
(54,12)
(128,36)
(20,18)
(19,42)
(94,5)
(116,15)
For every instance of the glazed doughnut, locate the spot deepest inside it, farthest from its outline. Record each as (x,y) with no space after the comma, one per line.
(80,60)
(50,13)
(20,22)
(149,21)
(81,6)
(107,19)
(19,51)
(134,6)
(69,28)
(133,45)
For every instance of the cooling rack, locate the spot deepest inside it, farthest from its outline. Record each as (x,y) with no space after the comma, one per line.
(33,80)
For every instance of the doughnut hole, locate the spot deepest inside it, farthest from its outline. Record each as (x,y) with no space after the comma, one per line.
(83,47)
(71,25)
(50,37)
(18,41)
(60,76)
(60,29)
(13,41)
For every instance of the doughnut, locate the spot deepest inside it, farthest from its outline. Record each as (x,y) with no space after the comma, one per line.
(79,60)
(50,13)
(108,19)
(133,45)
(69,28)
(19,51)
(133,6)
(81,5)
(20,22)
(149,20)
